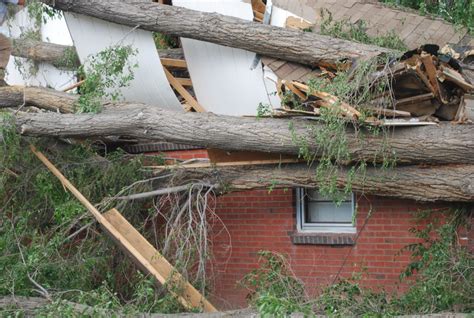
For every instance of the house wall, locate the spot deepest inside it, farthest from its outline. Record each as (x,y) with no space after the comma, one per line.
(262,220)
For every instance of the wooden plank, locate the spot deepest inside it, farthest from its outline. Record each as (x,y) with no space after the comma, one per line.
(414,99)
(388,112)
(67,89)
(219,156)
(184,81)
(401,123)
(184,93)
(431,73)
(162,277)
(330,100)
(259,6)
(454,76)
(295,90)
(190,297)
(226,164)
(297,23)
(174,63)
(258,16)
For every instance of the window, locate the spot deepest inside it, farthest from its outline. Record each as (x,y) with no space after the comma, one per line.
(316,213)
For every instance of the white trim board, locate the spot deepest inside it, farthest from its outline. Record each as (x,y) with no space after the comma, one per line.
(150,86)
(221,76)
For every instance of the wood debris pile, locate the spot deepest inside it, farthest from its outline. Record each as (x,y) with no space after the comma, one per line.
(426,86)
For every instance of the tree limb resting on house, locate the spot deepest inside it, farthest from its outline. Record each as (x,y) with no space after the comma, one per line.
(292,45)
(453,183)
(442,144)
(64,56)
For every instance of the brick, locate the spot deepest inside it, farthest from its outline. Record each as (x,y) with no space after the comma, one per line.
(258,220)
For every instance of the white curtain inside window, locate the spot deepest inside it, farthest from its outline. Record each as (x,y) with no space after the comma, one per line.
(323,210)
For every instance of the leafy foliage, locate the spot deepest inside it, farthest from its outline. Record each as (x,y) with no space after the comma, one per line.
(444,280)
(460,12)
(274,290)
(354,87)
(445,269)
(48,237)
(105,73)
(348,298)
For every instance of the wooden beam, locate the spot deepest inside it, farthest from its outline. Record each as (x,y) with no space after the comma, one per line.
(73,86)
(132,242)
(226,164)
(164,272)
(295,90)
(184,81)
(183,92)
(297,23)
(174,63)
(329,100)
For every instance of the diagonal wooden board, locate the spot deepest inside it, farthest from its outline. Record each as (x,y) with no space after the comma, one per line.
(147,257)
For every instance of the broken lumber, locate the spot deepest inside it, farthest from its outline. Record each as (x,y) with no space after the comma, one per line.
(190,100)
(445,143)
(292,45)
(146,256)
(453,183)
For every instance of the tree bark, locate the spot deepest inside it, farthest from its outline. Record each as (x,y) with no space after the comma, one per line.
(45,98)
(64,56)
(443,144)
(30,305)
(291,45)
(61,56)
(453,183)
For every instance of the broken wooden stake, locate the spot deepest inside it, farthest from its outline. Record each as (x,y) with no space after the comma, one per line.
(135,245)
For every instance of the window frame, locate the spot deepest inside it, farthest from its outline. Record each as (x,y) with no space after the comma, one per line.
(304,227)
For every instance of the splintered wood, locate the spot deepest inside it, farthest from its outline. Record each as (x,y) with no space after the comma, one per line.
(426,87)
(137,247)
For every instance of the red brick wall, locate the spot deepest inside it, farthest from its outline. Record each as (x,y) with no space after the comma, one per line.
(258,220)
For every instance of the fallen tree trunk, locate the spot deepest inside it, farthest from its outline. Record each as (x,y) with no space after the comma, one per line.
(287,44)
(441,144)
(61,56)
(29,306)
(44,98)
(454,183)
(64,56)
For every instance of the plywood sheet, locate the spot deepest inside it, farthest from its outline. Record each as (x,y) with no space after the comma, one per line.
(150,85)
(221,76)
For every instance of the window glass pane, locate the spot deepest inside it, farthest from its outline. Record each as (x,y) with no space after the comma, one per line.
(329,212)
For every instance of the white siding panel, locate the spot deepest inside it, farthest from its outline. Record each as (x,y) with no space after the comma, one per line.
(222,78)
(150,85)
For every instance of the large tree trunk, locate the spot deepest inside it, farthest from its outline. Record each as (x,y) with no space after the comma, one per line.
(44,98)
(453,183)
(29,306)
(64,56)
(292,45)
(446,143)
(61,56)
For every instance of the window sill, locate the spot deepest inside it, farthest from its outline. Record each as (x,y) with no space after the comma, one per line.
(332,239)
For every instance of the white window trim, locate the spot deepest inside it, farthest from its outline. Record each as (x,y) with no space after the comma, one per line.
(319,228)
